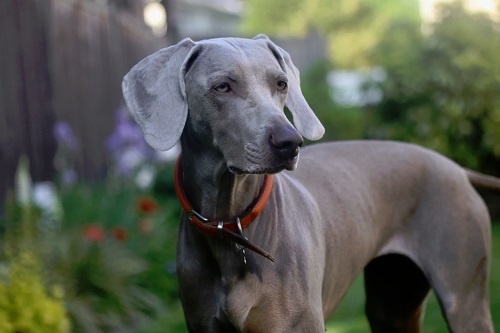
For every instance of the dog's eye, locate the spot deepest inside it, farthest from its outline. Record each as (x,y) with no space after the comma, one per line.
(223,88)
(282,85)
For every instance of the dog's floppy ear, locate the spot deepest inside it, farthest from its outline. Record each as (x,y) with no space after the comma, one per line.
(304,118)
(155,94)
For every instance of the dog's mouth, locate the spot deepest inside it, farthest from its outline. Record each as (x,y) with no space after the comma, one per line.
(290,165)
(254,171)
(235,170)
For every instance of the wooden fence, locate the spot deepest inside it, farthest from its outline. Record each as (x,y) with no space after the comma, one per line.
(63,60)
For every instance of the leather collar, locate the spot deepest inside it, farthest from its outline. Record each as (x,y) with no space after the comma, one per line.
(230,229)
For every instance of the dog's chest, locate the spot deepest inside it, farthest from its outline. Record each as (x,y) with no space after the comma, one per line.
(239,299)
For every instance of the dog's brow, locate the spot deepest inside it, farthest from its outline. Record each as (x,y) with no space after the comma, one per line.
(232,76)
(280,75)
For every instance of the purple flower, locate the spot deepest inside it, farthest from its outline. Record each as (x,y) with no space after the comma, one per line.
(64,135)
(69,176)
(127,144)
(127,132)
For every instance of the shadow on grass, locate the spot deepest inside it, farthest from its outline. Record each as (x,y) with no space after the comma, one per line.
(349,316)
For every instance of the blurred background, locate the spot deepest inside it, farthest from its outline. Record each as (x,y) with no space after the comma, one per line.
(88,215)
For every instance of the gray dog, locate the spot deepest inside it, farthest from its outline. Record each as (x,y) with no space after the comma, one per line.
(406,216)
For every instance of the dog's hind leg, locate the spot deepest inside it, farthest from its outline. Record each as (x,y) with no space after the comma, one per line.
(466,308)
(454,252)
(462,287)
(395,292)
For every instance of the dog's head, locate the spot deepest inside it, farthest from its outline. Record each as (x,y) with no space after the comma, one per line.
(230,93)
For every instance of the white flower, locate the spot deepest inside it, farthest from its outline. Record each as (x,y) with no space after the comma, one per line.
(45,195)
(131,158)
(145,177)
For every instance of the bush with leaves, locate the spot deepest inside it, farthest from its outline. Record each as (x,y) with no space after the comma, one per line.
(106,251)
(341,122)
(443,86)
(29,300)
(100,280)
(26,304)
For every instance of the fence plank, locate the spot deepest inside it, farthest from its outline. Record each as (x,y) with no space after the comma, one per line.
(26,111)
(64,60)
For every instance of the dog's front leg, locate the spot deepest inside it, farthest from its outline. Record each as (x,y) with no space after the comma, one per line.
(200,285)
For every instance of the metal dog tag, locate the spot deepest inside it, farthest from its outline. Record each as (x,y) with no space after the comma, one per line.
(239,247)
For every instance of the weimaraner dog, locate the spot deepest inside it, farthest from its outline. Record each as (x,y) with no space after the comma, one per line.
(406,216)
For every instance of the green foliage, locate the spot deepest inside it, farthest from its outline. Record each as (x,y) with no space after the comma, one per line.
(151,235)
(341,123)
(352,27)
(101,283)
(172,321)
(29,300)
(443,88)
(26,305)
(118,284)
(112,257)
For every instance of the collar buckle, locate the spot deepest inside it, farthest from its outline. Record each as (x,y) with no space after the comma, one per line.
(200,217)
(220,227)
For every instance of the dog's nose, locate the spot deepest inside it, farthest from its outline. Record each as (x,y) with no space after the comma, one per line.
(286,142)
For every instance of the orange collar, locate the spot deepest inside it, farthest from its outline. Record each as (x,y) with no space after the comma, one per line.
(229,229)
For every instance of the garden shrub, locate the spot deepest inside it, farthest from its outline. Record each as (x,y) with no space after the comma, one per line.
(443,87)
(100,278)
(26,305)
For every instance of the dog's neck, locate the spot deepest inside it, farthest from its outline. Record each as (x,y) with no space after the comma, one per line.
(212,189)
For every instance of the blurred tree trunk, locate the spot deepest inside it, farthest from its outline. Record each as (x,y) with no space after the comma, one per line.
(26,111)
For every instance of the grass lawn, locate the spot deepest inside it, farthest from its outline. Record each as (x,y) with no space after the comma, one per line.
(349,316)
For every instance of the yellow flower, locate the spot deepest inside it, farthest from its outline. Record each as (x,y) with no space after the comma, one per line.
(25,304)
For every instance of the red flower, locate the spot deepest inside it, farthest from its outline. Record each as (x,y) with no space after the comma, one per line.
(93,233)
(120,234)
(147,205)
